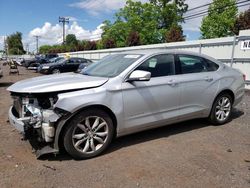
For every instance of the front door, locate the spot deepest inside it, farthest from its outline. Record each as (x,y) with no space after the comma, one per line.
(148,102)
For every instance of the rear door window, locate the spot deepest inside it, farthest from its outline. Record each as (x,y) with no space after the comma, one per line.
(194,64)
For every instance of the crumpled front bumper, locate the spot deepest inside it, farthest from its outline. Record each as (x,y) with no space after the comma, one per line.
(15,122)
(20,126)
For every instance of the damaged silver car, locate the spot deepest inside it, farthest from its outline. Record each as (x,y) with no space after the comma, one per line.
(122,94)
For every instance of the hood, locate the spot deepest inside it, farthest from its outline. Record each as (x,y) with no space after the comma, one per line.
(55,83)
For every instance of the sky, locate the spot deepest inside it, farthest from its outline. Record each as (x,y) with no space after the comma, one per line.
(33,17)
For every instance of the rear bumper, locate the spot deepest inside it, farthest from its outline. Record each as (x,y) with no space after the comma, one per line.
(15,122)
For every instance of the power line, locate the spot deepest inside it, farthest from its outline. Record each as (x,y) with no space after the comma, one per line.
(222,7)
(205,5)
(203,13)
(198,7)
(63,20)
(206,13)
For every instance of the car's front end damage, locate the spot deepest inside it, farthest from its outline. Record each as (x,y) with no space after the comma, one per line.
(34,116)
(34,112)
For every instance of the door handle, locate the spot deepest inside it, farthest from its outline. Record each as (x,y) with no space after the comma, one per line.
(172,83)
(209,79)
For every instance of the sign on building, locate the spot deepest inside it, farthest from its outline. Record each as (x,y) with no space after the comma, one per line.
(245,45)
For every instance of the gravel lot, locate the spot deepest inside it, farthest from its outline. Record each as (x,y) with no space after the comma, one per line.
(188,154)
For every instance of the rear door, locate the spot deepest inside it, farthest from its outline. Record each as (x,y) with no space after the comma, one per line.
(72,65)
(198,83)
(156,100)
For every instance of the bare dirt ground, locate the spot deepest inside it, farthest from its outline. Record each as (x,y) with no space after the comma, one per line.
(189,154)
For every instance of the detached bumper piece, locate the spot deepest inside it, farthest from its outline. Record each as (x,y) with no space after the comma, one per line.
(45,150)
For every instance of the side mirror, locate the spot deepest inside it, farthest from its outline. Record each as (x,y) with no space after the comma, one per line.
(139,75)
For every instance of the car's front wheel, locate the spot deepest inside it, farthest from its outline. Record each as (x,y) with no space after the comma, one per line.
(88,134)
(221,110)
(56,71)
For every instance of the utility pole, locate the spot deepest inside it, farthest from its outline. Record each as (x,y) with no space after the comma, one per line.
(63,20)
(5,45)
(37,38)
(27,48)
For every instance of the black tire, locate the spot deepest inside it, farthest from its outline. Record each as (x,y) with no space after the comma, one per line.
(73,130)
(56,71)
(213,117)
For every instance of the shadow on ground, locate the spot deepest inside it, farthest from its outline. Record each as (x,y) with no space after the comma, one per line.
(148,135)
(6,84)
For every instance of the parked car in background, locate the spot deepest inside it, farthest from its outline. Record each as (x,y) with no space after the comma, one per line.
(27,62)
(19,61)
(64,65)
(42,60)
(52,60)
(83,66)
(123,94)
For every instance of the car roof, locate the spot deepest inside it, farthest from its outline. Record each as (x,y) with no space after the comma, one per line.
(151,52)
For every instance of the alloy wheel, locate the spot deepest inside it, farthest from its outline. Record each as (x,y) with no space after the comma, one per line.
(90,134)
(223,108)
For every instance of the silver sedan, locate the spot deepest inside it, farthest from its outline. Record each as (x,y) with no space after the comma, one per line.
(123,94)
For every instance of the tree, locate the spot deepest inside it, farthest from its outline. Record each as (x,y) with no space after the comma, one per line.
(109,43)
(175,34)
(15,45)
(71,40)
(90,45)
(242,22)
(150,21)
(45,49)
(220,20)
(171,12)
(133,39)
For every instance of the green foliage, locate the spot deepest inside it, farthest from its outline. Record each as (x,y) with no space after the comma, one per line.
(150,22)
(135,24)
(90,45)
(15,45)
(220,20)
(99,44)
(108,43)
(242,22)
(44,49)
(71,40)
(170,12)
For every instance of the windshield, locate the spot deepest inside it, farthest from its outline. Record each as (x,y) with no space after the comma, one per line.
(53,59)
(61,60)
(111,65)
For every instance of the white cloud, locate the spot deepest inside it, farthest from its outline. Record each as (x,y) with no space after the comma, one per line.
(97,7)
(2,42)
(52,34)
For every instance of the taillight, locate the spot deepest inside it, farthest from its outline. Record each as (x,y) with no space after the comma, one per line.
(244,77)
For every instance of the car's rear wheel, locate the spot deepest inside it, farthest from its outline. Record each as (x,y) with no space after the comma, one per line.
(56,71)
(221,110)
(88,134)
